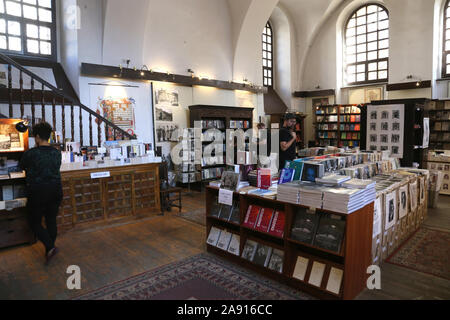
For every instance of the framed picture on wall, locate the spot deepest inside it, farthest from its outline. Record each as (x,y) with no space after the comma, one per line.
(373,94)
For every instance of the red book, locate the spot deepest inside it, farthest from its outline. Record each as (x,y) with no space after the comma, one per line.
(264,179)
(264,220)
(277,227)
(252,216)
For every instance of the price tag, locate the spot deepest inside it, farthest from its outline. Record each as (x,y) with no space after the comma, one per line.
(98,175)
(226,197)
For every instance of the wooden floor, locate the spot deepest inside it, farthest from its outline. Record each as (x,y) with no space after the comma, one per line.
(112,253)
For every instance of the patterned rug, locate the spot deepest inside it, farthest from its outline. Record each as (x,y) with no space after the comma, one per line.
(202,277)
(427,251)
(197,216)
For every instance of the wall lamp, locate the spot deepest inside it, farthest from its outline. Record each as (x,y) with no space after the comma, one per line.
(144,68)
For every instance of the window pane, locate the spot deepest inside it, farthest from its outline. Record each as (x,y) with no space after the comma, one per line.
(264,54)
(361,20)
(447,35)
(372,18)
(351,78)
(269,46)
(361,77)
(264,38)
(30,1)
(361,48)
(2,7)
(13,8)
(351,41)
(351,50)
(351,69)
(46,48)
(448,69)
(33,46)
(351,58)
(383,54)
(382,75)
(447,45)
(383,24)
(372,66)
(45,15)
(383,34)
(351,32)
(361,68)
(270,64)
(372,27)
(269,82)
(32,31)
(45,3)
(372,37)
(2,26)
(361,57)
(269,55)
(30,12)
(382,15)
(2,42)
(372,9)
(448,12)
(264,46)
(14,28)
(14,43)
(264,63)
(361,29)
(372,55)
(372,46)
(351,23)
(361,39)
(384,44)
(372,75)
(382,65)
(361,12)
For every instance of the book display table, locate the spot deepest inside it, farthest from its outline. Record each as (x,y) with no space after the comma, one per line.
(324,273)
(103,194)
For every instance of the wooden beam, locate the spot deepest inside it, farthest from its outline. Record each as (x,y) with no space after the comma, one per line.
(409,85)
(96,70)
(312,94)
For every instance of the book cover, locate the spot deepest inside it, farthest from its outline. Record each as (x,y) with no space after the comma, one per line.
(312,171)
(298,167)
(277,225)
(215,208)
(300,268)
(264,179)
(235,244)
(264,220)
(235,213)
(225,212)
(224,240)
(304,226)
(286,175)
(330,233)
(252,216)
(276,261)
(262,255)
(317,273)
(230,180)
(249,250)
(213,237)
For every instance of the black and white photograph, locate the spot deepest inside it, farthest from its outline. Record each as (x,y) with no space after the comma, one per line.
(167,97)
(395,149)
(373,138)
(385,115)
(396,126)
(384,138)
(373,148)
(166,132)
(373,127)
(163,114)
(384,148)
(391,211)
(385,126)
(373,115)
(396,114)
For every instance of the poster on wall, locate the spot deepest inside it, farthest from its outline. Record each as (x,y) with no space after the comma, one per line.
(119,111)
(167,97)
(385,129)
(166,132)
(163,114)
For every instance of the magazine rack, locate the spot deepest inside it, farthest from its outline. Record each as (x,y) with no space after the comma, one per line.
(353,259)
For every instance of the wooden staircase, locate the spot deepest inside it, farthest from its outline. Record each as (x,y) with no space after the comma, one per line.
(44,102)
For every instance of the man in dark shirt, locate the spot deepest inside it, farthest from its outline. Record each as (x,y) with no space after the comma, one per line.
(287,140)
(44,190)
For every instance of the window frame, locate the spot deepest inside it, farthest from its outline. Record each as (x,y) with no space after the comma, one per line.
(266,68)
(366,62)
(23,37)
(444,73)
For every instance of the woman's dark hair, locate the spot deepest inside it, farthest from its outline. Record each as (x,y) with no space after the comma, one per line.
(43,130)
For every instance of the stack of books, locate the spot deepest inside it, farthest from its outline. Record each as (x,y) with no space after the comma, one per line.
(345,200)
(289,192)
(311,195)
(333,180)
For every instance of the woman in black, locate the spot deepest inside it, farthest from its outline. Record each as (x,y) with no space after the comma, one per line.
(44,190)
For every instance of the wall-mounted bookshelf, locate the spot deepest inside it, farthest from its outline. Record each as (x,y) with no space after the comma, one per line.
(338,125)
(327,272)
(439,124)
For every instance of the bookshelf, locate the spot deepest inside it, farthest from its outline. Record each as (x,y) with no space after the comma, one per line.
(439,125)
(221,118)
(338,125)
(353,258)
(14,227)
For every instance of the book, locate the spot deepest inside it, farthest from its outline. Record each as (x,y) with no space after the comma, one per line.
(230,180)
(335,280)
(252,216)
(262,255)
(312,171)
(286,175)
(264,220)
(248,253)
(276,261)
(359,183)
(333,179)
(316,275)
(235,244)
(224,240)
(225,212)
(330,233)
(264,179)
(300,268)
(277,226)
(304,226)
(235,213)
(215,208)
(213,237)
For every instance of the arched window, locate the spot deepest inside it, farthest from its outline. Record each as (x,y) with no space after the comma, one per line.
(366,57)
(267,41)
(446,43)
(28,27)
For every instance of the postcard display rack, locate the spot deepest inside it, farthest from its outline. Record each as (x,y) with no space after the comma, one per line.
(14,227)
(441,162)
(338,125)
(397,126)
(220,118)
(325,274)
(188,172)
(439,114)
